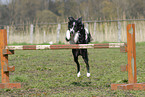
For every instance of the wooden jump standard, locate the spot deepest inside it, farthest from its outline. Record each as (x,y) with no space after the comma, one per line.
(131,66)
(129,48)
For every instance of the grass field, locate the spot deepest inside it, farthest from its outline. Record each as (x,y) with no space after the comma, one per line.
(53,73)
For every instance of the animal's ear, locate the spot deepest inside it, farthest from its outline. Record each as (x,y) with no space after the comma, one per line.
(80,19)
(70,18)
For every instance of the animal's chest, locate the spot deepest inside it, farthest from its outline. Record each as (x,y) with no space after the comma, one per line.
(72,36)
(77,38)
(81,38)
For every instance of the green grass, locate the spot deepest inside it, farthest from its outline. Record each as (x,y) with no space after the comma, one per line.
(53,73)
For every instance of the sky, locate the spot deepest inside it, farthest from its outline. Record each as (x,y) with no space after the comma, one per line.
(4,1)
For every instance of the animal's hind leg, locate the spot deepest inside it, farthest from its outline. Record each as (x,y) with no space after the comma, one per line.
(78,66)
(86,60)
(75,55)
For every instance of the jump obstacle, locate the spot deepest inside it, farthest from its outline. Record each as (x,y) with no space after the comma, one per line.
(129,48)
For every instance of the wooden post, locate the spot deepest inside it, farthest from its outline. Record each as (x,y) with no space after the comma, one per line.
(87,26)
(8,30)
(4,58)
(131,66)
(4,62)
(58,32)
(94,30)
(119,31)
(131,53)
(31,33)
(44,36)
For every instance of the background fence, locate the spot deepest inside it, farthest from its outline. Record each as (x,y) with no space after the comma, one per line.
(109,31)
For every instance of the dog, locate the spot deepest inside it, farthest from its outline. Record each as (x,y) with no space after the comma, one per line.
(77,34)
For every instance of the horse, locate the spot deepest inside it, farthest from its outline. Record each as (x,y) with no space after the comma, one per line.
(77,34)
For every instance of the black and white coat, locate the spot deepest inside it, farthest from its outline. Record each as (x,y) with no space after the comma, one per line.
(77,34)
(82,35)
(73,39)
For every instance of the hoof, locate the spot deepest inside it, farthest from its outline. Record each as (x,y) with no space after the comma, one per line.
(79,74)
(88,74)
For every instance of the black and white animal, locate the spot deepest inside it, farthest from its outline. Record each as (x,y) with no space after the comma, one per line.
(77,34)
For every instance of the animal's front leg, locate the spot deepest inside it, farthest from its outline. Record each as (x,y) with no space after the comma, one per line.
(76,37)
(67,35)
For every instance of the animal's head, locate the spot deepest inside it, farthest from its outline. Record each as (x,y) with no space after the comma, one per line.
(75,25)
(76,32)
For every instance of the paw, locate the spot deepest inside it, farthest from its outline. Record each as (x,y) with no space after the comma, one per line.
(67,39)
(79,74)
(88,74)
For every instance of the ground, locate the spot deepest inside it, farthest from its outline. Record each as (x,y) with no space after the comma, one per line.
(53,73)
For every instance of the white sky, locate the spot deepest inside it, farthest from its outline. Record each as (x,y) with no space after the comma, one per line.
(4,1)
